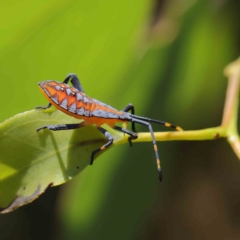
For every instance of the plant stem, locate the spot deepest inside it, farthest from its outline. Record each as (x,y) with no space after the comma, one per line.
(230,113)
(228,128)
(205,134)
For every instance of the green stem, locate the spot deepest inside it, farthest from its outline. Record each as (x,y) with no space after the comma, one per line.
(205,134)
(228,128)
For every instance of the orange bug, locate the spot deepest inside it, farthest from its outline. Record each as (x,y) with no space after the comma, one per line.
(74,102)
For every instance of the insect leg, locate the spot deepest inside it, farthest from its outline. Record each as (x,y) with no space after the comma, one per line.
(109,143)
(74,80)
(154,145)
(130,107)
(44,107)
(133,135)
(61,127)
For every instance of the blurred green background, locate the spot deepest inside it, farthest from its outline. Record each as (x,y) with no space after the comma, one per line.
(165,57)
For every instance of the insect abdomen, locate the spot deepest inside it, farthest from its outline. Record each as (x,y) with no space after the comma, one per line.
(77,104)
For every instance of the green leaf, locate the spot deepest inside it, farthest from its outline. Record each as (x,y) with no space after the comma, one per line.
(32,161)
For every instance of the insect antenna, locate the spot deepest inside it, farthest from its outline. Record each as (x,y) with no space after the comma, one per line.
(166,124)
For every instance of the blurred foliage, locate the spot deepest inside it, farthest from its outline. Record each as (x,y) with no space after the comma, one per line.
(167,58)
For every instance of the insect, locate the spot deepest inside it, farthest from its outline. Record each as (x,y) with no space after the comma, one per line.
(74,102)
